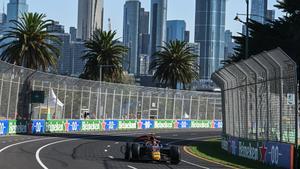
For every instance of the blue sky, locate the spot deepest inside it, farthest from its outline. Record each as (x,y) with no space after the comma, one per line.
(65,11)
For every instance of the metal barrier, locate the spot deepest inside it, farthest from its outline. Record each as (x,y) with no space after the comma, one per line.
(260,97)
(72,98)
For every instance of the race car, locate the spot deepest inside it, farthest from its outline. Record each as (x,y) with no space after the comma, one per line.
(149,148)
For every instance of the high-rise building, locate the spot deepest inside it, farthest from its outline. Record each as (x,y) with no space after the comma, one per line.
(229,45)
(56,27)
(3,18)
(90,18)
(15,9)
(158,27)
(187,36)
(209,32)
(144,36)
(176,30)
(270,15)
(69,62)
(131,35)
(73,32)
(259,10)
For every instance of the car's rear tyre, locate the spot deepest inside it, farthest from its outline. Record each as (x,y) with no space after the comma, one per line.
(135,151)
(127,151)
(174,155)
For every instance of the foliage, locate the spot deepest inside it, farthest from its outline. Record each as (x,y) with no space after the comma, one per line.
(103,50)
(27,43)
(283,32)
(174,64)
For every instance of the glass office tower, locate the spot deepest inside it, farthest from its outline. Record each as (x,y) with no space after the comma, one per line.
(209,32)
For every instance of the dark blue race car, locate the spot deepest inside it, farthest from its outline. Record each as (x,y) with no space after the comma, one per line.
(149,148)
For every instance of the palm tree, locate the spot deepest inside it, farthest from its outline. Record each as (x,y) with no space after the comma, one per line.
(27,43)
(105,51)
(174,64)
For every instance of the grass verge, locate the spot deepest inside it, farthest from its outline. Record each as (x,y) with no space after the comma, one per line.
(212,151)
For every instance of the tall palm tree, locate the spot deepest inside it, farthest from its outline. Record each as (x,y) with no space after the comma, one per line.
(27,43)
(174,64)
(103,50)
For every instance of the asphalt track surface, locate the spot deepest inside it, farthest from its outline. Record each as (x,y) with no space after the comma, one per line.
(95,150)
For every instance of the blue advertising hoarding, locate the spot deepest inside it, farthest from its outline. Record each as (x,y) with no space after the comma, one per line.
(145,124)
(110,125)
(73,125)
(182,124)
(4,127)
(277,154)
(37,126)
(218,124)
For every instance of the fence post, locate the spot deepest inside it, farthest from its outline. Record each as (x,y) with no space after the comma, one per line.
(129,102)
(174,100)
(150,105)
(182,104)
(72,103)
(17,97)
(121,105)
(142,107)
(81,96)
(40,109)
(190,113)
(90,98)
(57,93)
(105,101)
(9,95)
(198,115)
(158,97)
(166,105)
(137,105)
(113,105)
(65,97)
(206,107)
(214,113)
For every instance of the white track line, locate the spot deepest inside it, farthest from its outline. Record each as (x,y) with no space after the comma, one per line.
(196,165)
(129,166)
(37,154)
(23,142)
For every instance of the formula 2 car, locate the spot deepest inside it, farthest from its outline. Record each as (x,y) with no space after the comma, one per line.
(148,148)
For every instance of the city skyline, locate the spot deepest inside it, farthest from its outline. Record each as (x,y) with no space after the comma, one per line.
(186,12)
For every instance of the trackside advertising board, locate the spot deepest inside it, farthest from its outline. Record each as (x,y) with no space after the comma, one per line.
(127,124)
(201,124)
(73,125)
(164,124)
(145,124)
(271,153)
(37,126)
(182,124)
(53,126)
(4,127)
(108,125)
(17,126)
(91,125)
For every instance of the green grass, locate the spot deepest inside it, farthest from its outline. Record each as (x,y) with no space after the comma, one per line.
(211,150)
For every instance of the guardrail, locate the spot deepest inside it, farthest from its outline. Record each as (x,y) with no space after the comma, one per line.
(8,127)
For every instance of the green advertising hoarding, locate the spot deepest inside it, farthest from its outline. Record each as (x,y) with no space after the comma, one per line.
(55,126)
(164,124)
(127,124)
(201,124)
(17,126)
(91,125)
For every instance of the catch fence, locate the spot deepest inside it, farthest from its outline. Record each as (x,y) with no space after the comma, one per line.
(73,98)
(260,97)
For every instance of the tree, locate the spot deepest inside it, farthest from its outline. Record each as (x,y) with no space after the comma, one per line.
(27,43)
(174,64)
(105,51)
(283,32)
